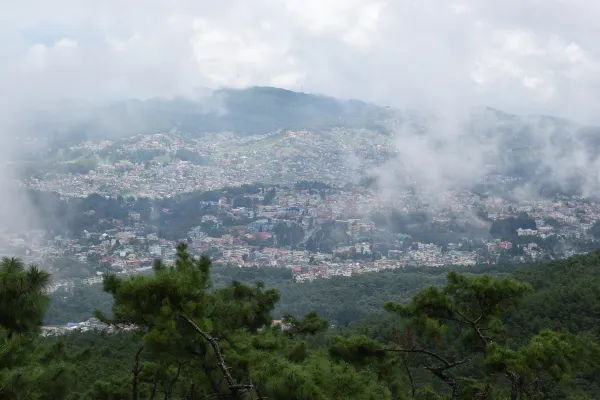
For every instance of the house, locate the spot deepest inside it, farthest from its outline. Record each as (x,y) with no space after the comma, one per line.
(526,232)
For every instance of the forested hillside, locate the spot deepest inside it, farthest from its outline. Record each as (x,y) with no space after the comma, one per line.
(327,297)
(185,333)
(254,110)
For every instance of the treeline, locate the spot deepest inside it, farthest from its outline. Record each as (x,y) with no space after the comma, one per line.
(507,228)
(38,168)
(71,216)
(326,296)
(471,336)
(169,218)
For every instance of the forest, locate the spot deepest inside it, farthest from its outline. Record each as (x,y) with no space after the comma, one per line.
(327,297)
(526,332)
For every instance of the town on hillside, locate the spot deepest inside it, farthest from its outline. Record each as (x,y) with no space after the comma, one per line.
(120,204)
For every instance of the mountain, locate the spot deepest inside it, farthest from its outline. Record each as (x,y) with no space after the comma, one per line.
(251,111)
(551,153)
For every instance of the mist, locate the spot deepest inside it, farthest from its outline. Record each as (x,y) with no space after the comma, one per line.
(446,62)
(458,151)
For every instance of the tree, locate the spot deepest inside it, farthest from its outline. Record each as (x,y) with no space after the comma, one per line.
(200,341)
(28,370)
(456,333)
(178,337)
(23,300)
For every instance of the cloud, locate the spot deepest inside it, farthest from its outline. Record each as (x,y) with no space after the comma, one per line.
(243,57)
(525,56)
(354,22)
(506,54)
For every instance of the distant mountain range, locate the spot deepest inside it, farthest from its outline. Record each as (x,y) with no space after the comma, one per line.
(260,110)
(255,110)
(532,147)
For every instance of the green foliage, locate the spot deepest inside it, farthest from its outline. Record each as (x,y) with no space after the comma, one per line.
(369,291)
(566,297)
(507,228)
(310,324)
(328,297)
(201,339)
(28,370)
(456,333)
(22,298)
(190,156)
(549,358)
(473,305)
(179,336)
(77,304)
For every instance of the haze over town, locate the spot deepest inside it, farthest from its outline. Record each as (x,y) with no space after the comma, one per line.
(469,114)
(299,199)
(445,58)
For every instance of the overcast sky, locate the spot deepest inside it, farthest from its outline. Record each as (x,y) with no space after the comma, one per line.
(518,55)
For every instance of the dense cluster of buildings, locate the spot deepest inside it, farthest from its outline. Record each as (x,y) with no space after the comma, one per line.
(286,158)
(92,324)
(254,240)
(227,160)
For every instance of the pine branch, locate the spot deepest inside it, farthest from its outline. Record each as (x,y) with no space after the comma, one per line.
(473,324)
(410,378)
(236,388)
(154,383)
(136,372)
(169,390)
(447,364)
(201,352)
(438,371)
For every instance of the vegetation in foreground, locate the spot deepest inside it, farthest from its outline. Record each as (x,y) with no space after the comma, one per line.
(180,337)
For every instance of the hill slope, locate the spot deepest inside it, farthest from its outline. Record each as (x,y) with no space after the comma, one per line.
(255,110)
(567,296)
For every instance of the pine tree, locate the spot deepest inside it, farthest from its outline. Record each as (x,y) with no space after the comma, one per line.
(198,341)
(28,369)
(455,333)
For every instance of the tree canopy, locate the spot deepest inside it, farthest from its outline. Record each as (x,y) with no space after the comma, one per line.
(177,335)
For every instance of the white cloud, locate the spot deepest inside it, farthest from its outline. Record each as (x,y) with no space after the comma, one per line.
(41,57)
(525,55)
(517,55)
(355,22)
(243,57)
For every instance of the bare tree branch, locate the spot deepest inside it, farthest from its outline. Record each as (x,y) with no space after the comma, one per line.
(410,378)
(236,388)
(447,364)
(136,372)
(438,371)
(154,382)
(465,319)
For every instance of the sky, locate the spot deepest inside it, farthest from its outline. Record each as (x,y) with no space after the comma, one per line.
(525,56)
(448,57)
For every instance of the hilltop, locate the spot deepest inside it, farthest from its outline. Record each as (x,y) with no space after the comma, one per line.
(250,111)
(306,136)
